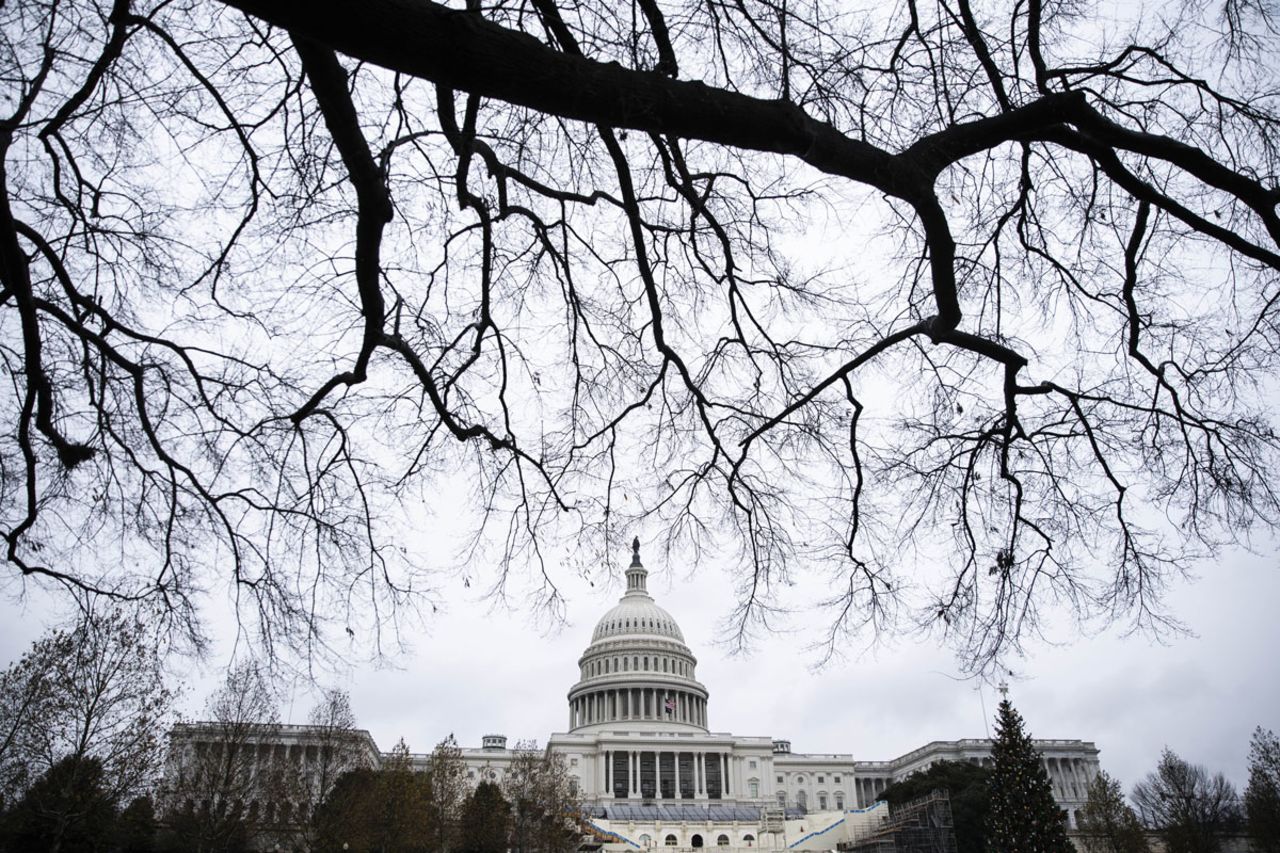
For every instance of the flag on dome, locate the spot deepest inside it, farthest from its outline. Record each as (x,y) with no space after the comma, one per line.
(671,705)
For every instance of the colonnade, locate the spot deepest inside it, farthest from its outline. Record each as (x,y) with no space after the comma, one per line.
(637,703)
(666,775)
(1070,777)
(867,788)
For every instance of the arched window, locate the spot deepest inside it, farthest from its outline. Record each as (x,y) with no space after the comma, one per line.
(840,800)
(822,802)
(782,798)
(646,663)
(753,788)
(646,840)
(748,840)
(625,666)
(722,841)
(635,663)
(802,800)
(664,664)
(696,841)
(670,841)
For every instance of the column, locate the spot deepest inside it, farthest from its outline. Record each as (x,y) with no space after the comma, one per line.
(608,775)
(632,772)
(677,774)
(724,774)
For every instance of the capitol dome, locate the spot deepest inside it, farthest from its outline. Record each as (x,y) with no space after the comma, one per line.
(637,668)
(634,616)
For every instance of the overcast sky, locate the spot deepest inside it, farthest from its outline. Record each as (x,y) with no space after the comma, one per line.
(476,671)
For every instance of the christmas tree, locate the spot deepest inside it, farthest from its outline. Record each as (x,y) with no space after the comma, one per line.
(1023,816)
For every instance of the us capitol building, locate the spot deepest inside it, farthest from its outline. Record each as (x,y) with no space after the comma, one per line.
(652,772)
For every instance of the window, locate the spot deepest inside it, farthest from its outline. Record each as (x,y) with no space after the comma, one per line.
(840,801)
(471,774)
(573,762)
(822,802)
(779,780)
(753,788)
(748,840)
(670,841)
(821,779)
(751,765)
(802,800)
(646,840)
(782,798)
(836,779)
(722,841)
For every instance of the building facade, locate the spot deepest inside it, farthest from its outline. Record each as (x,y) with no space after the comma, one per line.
(651,769)
(652,772)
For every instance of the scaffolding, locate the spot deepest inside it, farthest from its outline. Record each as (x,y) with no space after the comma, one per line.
(923,825)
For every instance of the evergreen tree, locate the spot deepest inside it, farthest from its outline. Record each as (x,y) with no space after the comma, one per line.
(486,821)
(1262,796)
(66,810)
(1023,816)
(967,786)
(1107,823)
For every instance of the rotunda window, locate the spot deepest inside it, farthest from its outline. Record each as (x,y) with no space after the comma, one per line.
(696,841)
(625,666)
(722,840)
(670,841)
(646,840)
(748,840)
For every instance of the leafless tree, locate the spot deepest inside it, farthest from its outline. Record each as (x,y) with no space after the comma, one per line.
(546,803)
(92,700)
(1190,808)
(333,747)
(970,308)
(224,782)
